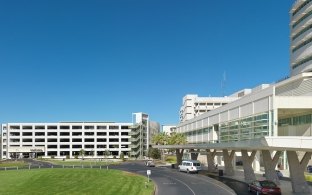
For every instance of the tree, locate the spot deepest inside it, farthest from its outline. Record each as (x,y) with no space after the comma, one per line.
(122,156)
(160,139)
(82,153)
(106,153)
(173,139)
(178,139)
(154,153)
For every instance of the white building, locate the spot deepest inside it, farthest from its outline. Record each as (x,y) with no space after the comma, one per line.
(271,126)
(168,129)
(193,105)
(301,37)
(66,139)
(281,109)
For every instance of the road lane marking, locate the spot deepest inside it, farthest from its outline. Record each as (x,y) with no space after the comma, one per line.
(169,183)
(180,182)
(211,182)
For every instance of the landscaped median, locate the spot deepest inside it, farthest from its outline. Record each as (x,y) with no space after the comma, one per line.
(73,181)
(308,177)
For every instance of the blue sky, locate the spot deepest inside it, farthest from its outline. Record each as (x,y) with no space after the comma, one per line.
(103,60)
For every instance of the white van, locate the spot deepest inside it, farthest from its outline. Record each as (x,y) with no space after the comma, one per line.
(190,166)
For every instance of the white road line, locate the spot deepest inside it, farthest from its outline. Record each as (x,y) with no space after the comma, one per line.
(180,182)
(214,183)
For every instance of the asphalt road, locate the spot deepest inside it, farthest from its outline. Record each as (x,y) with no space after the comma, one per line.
(170,181)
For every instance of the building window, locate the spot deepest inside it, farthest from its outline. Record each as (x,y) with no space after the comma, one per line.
(64,140)
(124,127)
(27,133)
(76,127)
(39,133)
(89,140)
(101,133)
(113,127)
(89,127)
(52,133)
(101,127)
(101,140)
(64,127)
(52,127)
(113,133)
(64,133)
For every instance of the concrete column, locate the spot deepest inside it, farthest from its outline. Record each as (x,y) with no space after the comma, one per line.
(194,155)
(256,162)
(228,165)
(275,122)
(270,164)
(210,160)
(247,165)
(296,169)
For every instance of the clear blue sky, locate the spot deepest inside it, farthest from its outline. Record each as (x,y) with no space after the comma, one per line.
(103,60)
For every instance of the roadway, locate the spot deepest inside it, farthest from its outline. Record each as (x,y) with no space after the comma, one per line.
(171,181)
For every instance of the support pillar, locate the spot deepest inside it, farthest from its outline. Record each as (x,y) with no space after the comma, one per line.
(256,162)
(210,160)
(270,164)
(296,169)
(179,153)
(247,165)
(228,165)
(194,155)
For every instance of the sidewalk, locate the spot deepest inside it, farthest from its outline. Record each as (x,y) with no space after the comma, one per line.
(285,183)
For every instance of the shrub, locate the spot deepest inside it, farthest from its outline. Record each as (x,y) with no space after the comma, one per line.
(122,156)
(67,157)
(154,153)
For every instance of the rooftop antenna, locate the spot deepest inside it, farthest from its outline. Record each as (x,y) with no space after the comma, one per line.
(223,81)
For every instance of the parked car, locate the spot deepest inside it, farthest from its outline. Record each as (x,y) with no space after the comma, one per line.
(309,168)
(264,187)
(150,163)
(190,166)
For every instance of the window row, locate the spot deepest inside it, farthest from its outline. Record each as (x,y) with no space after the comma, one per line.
(298,120)
(302,31)
(72,140)
(68,133)
(301,6)
(30,127)
(87,146)
(302,18)
(302,62)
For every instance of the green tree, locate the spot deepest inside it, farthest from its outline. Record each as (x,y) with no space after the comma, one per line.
(160,139)
(154,153)
(122,156)
(173,139)
(82,152)
(178,139)
(106,153)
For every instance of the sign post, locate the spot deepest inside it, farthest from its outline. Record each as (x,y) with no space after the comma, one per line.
(148,172)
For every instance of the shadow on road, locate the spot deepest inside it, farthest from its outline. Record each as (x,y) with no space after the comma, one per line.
(239,187)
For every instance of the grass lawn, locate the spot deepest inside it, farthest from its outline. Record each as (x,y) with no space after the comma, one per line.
(12,164)
(86,162)
(308,177)
(172,159)
(73,181)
